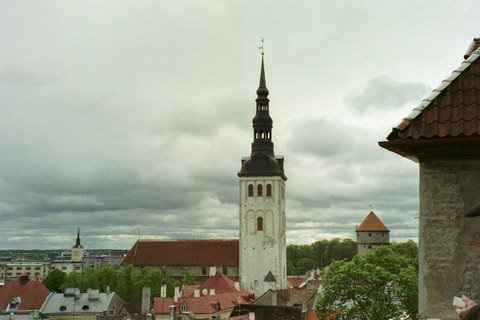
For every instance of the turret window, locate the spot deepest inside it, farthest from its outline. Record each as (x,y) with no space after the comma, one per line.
(259,190)
(269,190)
(250,190)
(259,224)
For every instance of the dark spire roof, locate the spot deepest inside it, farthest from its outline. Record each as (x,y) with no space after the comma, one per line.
(262,161)
(77,243)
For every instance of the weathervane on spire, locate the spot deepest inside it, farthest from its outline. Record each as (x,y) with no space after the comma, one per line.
(371,207)
(261,48)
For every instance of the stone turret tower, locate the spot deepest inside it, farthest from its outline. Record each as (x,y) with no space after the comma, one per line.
(262,206)
(77,250)
(371,233)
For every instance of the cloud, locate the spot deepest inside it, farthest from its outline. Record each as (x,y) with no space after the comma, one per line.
(384,93)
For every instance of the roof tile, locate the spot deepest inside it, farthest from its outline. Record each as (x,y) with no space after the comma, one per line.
(184,252)
(372,223)
(32,293)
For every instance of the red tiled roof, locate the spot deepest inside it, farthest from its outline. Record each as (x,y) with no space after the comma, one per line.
(201,305)
(372,223)
(295,282)
(221,284)
(32,294)
(450,114)
(183,253)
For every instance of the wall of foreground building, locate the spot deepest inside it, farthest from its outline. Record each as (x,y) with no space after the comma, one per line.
(449,242)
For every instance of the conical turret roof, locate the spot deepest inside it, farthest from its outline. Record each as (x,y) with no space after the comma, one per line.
(372,223)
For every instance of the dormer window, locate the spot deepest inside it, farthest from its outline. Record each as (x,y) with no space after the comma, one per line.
(183,307)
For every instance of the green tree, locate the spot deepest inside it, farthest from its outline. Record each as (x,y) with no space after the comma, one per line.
(187,277)
(378,285)
(55,280)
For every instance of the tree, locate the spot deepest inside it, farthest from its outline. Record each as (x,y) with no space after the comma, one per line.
(54,280)
(377,285)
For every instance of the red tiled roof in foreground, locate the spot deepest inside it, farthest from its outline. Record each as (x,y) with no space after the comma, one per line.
(449,115)
(183,253)
(32,294)
(202,305)
(372,223)
(221,283)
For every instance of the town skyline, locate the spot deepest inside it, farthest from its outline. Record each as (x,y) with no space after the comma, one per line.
(131,120)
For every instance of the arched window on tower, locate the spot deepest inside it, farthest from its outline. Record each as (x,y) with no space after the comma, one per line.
(259,190)
(269,190)
(259,224)
(250,190)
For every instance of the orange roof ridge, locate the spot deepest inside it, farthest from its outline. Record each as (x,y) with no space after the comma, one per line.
(372,223)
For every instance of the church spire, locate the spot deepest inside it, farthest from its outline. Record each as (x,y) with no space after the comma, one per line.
(262,161)
(77,242)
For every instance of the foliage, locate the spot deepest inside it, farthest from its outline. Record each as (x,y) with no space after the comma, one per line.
(54,280)
(127,281)
(301,258)
(378,285)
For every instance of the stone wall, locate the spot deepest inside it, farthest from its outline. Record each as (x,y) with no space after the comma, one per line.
(368,240)
(449,242)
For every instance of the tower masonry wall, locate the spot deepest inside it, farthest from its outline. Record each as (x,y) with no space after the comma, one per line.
(368,240)
(449,242)
(262,248)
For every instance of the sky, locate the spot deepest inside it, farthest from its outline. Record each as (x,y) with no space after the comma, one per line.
(128,119)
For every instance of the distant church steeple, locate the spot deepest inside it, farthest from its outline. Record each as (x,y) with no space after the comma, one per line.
(77,249)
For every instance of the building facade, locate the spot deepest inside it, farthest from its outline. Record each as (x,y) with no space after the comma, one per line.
(35,270)
(262,206)
(371,233)
(77,251)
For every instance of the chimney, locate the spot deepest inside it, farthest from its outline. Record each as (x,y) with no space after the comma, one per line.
(172,312)
(196,293)
(163,291)
(149,316)
(176,295)
(24,278)
(36,314)
(145,300)
(212,292)
(213,271)
(107,291)
(251,316)
(274,297)
(237,286)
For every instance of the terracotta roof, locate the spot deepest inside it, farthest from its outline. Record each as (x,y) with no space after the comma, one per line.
(452,110)
(295,282)
(269,312)
(473,46)
(202,305)
(372,223)
(183,253)
(32,294)
(221,283)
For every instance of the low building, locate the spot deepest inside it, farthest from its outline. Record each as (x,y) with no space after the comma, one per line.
(35,270)
(301,298)
(197,256)
(81,306)
(215,298)
(67,266)
(22,297)
(371,233)
(98,261)
(3,270)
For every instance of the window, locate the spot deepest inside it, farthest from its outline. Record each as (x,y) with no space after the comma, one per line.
(259,190)
(225,270)
(204,270)
(183,307)
(269,190)
(28,268)
(369,234)
(9,268)
(37,268)
(85,308)
(250,190)
(62,308)
(259,223)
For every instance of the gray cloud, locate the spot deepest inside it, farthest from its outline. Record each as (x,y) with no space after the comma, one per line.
(384,93)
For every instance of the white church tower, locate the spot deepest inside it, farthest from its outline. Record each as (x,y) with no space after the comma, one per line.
(262,206)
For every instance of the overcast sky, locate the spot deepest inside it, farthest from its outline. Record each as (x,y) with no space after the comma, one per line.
(131,117)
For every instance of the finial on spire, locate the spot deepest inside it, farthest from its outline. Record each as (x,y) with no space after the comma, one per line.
(371,207)
(261,48)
